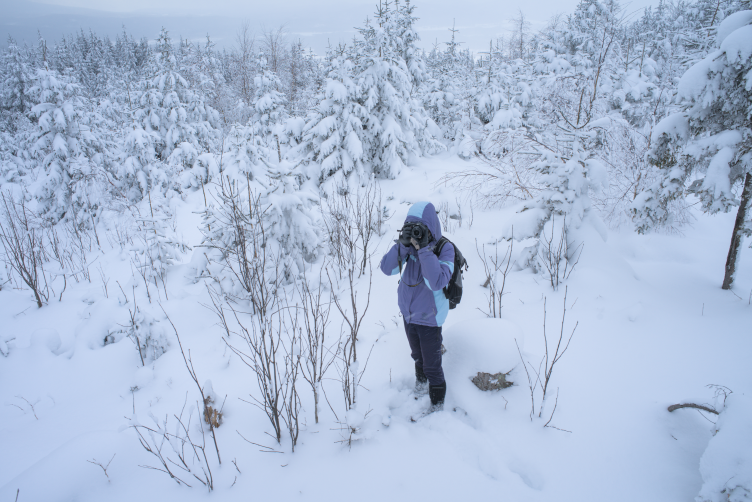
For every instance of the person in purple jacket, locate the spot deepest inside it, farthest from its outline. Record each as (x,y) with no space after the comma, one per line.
(420,296)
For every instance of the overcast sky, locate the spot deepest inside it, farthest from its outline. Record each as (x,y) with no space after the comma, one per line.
(315,22)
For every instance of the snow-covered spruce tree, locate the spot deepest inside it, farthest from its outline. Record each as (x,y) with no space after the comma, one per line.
(199,69)
(396,126)
(140,170)
(407,38)
(66,147)
(291,217)
(258,207)
(16,81)
(333,134)
(710,140)
(498,99)
(198,168)
(269,104)
(245,152)
(171,119)
(15,126)
(448,93)
(442,101)
(507,105)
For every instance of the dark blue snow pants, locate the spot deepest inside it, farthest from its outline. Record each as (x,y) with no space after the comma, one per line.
(425,345)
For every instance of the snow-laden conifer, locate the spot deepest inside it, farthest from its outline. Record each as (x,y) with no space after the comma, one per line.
(65,146)
(270,112)
(708,143)
(333,134)
(15,80)
(173,126)
(396,125)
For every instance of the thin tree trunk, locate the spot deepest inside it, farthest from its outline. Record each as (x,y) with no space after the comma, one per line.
(736,237)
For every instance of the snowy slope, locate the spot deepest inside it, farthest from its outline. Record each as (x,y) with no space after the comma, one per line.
(654,328)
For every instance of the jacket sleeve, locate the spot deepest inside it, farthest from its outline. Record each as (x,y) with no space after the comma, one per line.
(437,270)
(389,263)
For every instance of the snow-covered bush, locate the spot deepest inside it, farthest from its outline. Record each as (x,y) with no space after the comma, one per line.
(559,206)
(198,168)
(146,333)
(156,246)
(245,153)
(726,465)
(269,212)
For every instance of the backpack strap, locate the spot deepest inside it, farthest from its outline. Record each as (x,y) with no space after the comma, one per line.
(439,246)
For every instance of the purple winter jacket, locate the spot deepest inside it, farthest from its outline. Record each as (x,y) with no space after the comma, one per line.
(420,294)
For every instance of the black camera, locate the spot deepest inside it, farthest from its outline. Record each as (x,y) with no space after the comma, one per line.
(417,231)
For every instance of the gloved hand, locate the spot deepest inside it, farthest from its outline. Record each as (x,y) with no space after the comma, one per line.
(423,242)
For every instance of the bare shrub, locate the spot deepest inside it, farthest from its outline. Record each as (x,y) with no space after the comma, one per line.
(271,333)
(25,247)
(543,372)
(218,309)
(263,354)
(446,223)
(212,416)
(558,257)
(236,229)
(178,454)
(349,371)
(352,220)
(120,235)
(292,405)
(318,352)
(79,244)
(493,266)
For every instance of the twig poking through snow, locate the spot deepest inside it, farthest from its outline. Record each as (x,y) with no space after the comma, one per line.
(104,467)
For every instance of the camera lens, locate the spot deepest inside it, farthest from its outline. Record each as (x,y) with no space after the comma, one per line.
(417,233)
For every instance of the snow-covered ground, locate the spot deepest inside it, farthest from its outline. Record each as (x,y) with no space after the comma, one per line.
(654,328)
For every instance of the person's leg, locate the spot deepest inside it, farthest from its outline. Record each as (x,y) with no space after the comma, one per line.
(413,339)
(430,346)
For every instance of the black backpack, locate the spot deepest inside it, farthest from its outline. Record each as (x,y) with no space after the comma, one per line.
(453,290)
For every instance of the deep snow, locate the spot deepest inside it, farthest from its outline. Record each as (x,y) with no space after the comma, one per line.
(654,328)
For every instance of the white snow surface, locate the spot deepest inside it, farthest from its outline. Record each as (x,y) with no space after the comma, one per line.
(654,328)
(726,465)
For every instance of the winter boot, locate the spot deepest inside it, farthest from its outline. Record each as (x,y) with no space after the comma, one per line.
(437,393)
(421,380)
